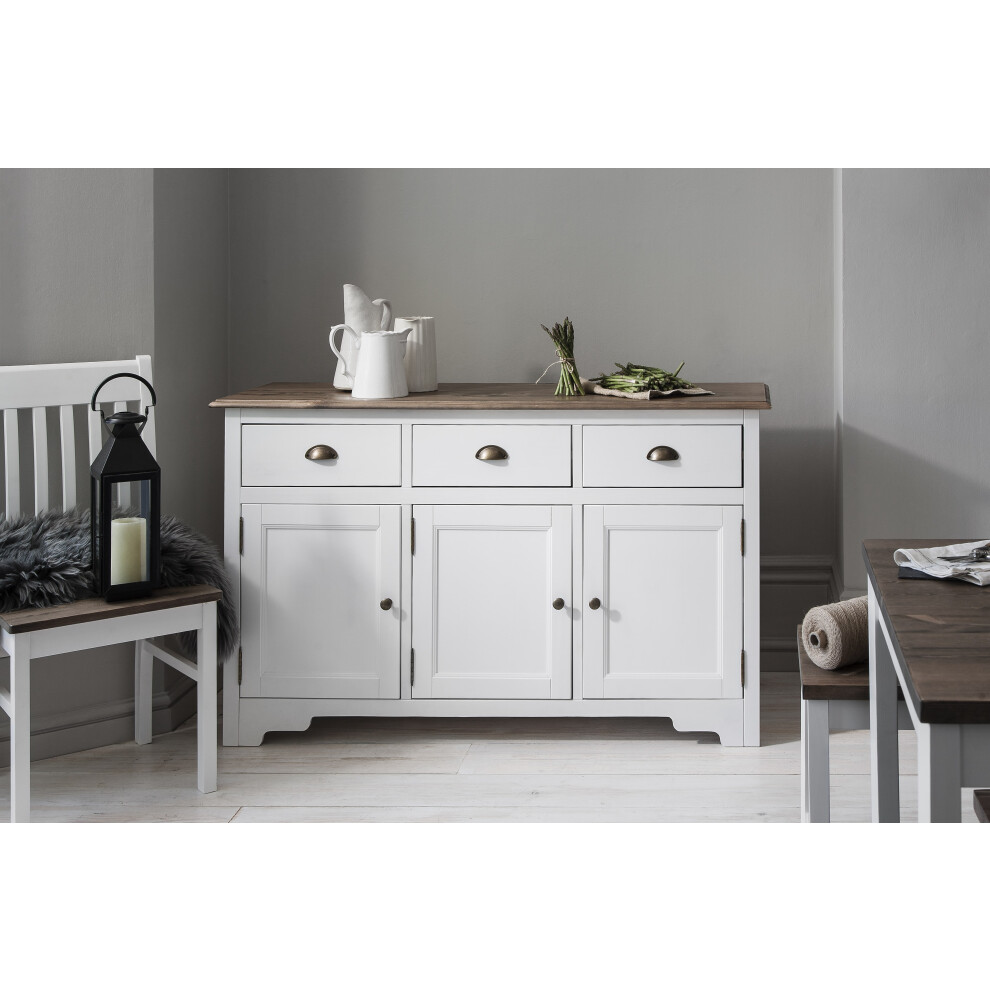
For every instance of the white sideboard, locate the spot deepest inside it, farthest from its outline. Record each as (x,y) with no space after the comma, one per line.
(493,550)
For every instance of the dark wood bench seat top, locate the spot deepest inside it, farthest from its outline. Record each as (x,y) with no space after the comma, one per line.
(92,609)
(850,683)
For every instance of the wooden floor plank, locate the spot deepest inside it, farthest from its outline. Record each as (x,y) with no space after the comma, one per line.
(505,815)
(132,814)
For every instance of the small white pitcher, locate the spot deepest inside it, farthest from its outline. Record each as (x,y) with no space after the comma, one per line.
(361,314)
(379,373)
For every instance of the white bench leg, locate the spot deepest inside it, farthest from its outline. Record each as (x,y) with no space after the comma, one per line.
(144,664)
(815,798)
(20,727)
(206,700)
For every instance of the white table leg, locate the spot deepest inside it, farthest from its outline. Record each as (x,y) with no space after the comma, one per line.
(884,782)
(815,797)
(206,700)
(939,773)
(19,648)
(143,669)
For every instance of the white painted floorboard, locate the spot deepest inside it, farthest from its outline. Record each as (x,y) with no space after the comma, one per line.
(470,770)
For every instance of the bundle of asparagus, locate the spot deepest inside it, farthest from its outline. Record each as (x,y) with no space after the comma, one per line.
(640,378)
(562,336)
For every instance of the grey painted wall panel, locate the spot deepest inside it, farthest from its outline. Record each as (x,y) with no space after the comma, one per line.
(915,355)
(75,264)
(191,341)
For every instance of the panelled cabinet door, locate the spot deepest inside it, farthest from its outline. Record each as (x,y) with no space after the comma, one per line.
(485,582)
(313,581)
(668,585)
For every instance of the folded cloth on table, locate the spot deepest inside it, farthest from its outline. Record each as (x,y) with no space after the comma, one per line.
(927,560)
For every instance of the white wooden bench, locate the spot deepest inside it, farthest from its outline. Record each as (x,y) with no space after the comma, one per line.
(28,634)
(830,700)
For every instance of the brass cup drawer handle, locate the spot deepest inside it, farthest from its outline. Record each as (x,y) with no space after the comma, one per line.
(558,603)
(595,604)
(321,452)
(385,604)
(492,452)
(663,454)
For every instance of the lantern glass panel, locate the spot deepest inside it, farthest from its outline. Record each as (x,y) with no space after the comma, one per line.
(130,535)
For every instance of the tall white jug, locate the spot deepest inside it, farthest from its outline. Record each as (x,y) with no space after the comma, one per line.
(362,315)
(421,352)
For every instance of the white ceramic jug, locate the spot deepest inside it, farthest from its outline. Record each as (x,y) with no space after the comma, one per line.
(361,314)
(421,352)
(379,373)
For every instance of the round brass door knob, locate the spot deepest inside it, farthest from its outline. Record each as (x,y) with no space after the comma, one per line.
(558,603)
(663,454)
(595,604)
(385,604)
(321,452)
(492,452)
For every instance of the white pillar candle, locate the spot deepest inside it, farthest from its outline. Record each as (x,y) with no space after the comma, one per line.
(128,550)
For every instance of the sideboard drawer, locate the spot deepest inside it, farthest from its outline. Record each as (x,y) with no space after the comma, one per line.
(365,455)
(538,456)
(706,456)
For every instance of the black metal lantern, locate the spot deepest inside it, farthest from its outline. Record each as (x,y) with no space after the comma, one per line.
(126,493)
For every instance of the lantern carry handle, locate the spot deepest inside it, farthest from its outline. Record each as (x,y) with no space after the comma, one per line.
(124,374)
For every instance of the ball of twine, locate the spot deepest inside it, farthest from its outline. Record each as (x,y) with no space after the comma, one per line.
(837,635)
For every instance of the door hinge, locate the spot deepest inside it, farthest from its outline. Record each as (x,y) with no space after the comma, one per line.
(742,668)
(742,537)
(240,537)
(412,535)
(240,664)
(412,668)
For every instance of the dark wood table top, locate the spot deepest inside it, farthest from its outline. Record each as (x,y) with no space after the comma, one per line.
(93,609)
(485,395)
(940,631)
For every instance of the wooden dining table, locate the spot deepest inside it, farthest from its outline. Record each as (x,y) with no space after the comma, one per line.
(932,638)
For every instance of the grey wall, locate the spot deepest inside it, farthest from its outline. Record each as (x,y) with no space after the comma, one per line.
(190,359)
(730,271)
(76,277)
(915,408)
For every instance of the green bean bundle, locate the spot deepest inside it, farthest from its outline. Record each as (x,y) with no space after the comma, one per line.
(562,336)
(640,378)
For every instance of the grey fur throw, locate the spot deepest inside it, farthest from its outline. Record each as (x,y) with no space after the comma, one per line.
(45,560)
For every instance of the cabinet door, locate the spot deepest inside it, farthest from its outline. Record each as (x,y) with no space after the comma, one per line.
(669,579)
(312,582)
(484,582)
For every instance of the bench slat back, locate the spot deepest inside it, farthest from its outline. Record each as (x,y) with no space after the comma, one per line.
(39,387)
